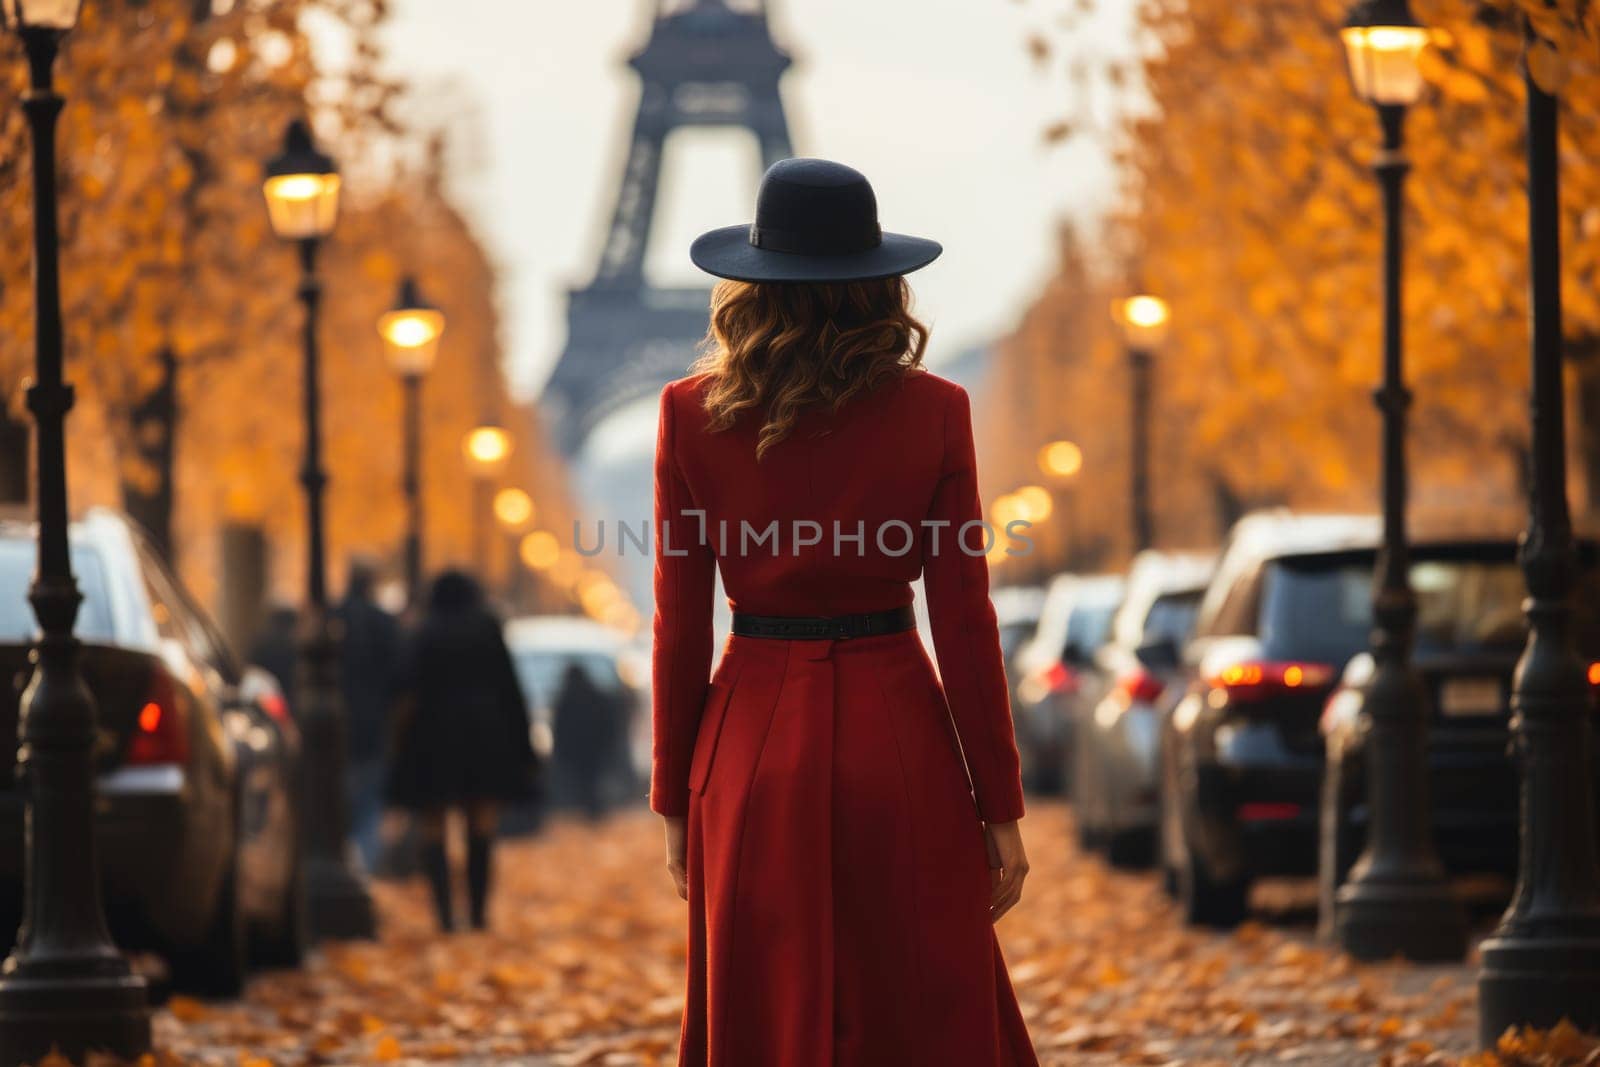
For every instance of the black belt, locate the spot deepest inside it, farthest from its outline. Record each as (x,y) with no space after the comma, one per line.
(838,627)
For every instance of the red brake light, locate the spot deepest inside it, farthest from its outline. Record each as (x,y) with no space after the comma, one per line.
(276,707)
(1255,679)
(1594,674)
(1139,686)
(1060,678)
(159,735)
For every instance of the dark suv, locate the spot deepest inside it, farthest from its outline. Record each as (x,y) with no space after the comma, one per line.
(1470,634)
(1240,752)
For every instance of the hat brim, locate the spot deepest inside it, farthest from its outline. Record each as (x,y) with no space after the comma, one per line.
(728,253)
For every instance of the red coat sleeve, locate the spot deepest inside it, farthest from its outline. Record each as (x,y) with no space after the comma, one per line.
(966,637)
(685,579)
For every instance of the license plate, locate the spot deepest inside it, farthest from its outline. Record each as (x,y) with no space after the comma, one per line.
(1472,696)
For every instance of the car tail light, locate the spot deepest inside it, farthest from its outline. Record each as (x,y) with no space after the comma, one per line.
(1139,686)
(276,707)
(1254,680)
(1060,678)
(1268,811)
(1594,675)
(159,732)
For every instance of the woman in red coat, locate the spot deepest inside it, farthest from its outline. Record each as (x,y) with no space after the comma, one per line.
(841,819)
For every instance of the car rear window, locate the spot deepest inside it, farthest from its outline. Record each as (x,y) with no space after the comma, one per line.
(17,624)
(540,672)
(1319,609)
(1171,617)
(1089,626)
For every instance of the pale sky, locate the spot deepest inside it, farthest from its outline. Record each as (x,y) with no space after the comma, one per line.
(935,100)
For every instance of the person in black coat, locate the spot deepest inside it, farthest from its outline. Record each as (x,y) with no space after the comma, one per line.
(461,738)
(585,726)
(370,650)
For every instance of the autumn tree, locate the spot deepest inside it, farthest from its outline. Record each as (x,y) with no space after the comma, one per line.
(180,302)
(1248,202)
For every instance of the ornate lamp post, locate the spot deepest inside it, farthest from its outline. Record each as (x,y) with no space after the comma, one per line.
(1542,963)
(1062,462)
(302,193)
(1144,319)
(1397,900)
(65,985)
(514,510)
(411,333)
(487,446)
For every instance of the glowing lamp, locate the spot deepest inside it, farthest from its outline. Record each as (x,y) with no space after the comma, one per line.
(1034,502)
(540,550)
(58,15)
(302,187)
(1061,459)
(1144,319)
(411,332)
(1382,42)
(487,448)
(513,507)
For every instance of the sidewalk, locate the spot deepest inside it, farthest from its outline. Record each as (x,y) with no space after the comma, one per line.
(584,967)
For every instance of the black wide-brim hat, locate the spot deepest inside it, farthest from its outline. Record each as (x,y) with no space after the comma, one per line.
(816,221)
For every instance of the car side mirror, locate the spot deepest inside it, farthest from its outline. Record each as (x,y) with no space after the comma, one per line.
(1161,654)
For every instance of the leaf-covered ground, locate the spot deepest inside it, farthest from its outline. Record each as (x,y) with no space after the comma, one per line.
(584,966)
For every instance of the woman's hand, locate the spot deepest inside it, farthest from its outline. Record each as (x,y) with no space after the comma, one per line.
(1008,866)
(678,852)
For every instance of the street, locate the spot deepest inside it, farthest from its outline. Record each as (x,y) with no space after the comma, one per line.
(583,967)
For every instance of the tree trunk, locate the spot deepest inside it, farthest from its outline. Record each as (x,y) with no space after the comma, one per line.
(154,424)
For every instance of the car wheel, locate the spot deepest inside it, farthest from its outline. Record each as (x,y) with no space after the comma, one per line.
(283,944)
(217,966)
(1130,850)
(1169,836)
(1339,844)
(1207,901)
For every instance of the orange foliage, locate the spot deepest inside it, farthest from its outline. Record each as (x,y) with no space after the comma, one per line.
(1250,205)
(167,248)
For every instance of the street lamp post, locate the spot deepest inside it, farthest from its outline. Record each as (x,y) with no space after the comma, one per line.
(411,332)
(1397,901)
(302,193)
(65,987)
(1062,462)
(487,447)
(1542,963)
(514,510)
(1144,320)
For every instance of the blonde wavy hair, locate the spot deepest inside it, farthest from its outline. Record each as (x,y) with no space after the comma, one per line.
(781,347)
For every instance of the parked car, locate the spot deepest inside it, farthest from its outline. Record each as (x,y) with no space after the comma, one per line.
(1241,756)
(1053,671)
(196,821)
(1116,740)
(1017,609)
(542,648)
(1470,633)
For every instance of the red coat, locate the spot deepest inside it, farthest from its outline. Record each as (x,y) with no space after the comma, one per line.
(839,883)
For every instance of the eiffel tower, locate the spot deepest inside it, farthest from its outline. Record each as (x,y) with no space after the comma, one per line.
(707,64)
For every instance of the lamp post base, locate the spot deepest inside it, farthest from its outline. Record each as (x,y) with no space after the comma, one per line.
(74,1008)
(338,906)
(1538,980)
(1418,919)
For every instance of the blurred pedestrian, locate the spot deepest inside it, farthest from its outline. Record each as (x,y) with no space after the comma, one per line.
(585,730)
(275,648)
(369,658)
(843,864)
(461,736)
